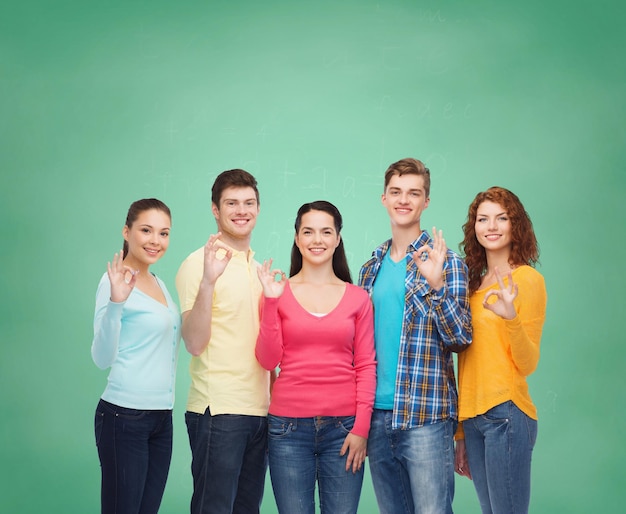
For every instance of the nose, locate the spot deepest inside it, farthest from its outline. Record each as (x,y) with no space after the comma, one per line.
(492,225)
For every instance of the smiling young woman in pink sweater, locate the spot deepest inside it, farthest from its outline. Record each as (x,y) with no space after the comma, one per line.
(318,329)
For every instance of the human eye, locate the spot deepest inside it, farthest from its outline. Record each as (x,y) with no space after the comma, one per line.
(481,219)
(145,230)
(504,217)
(165,234)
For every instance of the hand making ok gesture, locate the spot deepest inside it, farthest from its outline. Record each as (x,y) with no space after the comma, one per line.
(272,288)
(429,261)
(505,295)
(122,278)
(216,257)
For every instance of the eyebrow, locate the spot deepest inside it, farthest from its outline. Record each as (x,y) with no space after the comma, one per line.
(150,226)
(323,228)
(498,214)
(395,188)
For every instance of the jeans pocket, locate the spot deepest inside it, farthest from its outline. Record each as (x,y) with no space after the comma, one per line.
(346,424)
(98,423)
(131,414)
(278,427)
(498,415)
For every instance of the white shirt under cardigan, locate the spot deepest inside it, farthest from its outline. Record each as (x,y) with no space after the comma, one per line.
(138,339)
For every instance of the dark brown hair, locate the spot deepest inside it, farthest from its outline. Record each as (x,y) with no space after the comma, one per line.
(340,263)
(233,178)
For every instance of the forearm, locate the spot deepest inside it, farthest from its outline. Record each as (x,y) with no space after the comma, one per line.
(196,328)
(524,350)
(451,308)
(453,321)
(107,326)
(269,345)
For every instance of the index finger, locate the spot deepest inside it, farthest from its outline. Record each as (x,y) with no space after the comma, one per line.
(499,278)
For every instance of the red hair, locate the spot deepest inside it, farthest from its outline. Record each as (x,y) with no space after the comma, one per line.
(524,247)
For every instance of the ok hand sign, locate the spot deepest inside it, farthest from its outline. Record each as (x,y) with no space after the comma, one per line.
(216,257)
(271,287)
(503,306)
(429,261)
(120,286)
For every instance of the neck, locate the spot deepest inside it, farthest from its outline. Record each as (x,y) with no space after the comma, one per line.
(316,274)
(499,260)
(401,238)
(241,245)
(132,264)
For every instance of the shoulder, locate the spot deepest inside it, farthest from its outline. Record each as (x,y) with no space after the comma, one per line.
(454,259)
(104,282)
(194,259)
(357,294)
(527,276)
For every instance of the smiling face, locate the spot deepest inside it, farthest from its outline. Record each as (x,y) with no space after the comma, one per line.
(317,237)
(236,215)
(405,199)
(148,238)
(493,227)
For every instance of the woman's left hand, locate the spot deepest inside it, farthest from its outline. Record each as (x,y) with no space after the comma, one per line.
(505,295)
(356,447)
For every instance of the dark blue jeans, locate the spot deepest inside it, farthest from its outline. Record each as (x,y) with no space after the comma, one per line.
(135,450)
(304,452)
(229,462)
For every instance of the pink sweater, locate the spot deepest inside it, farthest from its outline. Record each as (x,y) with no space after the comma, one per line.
(327,363)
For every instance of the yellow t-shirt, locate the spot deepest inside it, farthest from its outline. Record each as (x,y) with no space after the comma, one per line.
(227,377)
(503,352)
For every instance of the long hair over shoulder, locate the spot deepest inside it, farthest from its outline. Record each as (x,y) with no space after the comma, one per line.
(340,262)
(524,247)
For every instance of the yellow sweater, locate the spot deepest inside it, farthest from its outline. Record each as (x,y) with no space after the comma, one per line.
(503,352)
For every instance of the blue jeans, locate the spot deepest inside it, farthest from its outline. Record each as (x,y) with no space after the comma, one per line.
(412,470)
(135,450)
(229,461)
(304,451)
(499,446)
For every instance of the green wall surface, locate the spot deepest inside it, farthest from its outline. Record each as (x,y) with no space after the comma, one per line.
(103,103)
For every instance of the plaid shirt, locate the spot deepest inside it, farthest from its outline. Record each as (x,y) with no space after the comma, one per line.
(436,323)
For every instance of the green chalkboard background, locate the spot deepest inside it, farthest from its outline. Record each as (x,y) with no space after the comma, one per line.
(102,103)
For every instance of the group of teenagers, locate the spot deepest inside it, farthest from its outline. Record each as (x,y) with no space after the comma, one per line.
(309,373)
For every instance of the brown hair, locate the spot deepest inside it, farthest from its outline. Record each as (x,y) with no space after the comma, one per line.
(524,247)
(409,166)
(232,178)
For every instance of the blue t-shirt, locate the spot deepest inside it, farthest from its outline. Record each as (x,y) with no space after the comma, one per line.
(388,299)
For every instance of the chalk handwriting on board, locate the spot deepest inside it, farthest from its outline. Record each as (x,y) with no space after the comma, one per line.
(286,174)
(318,172)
